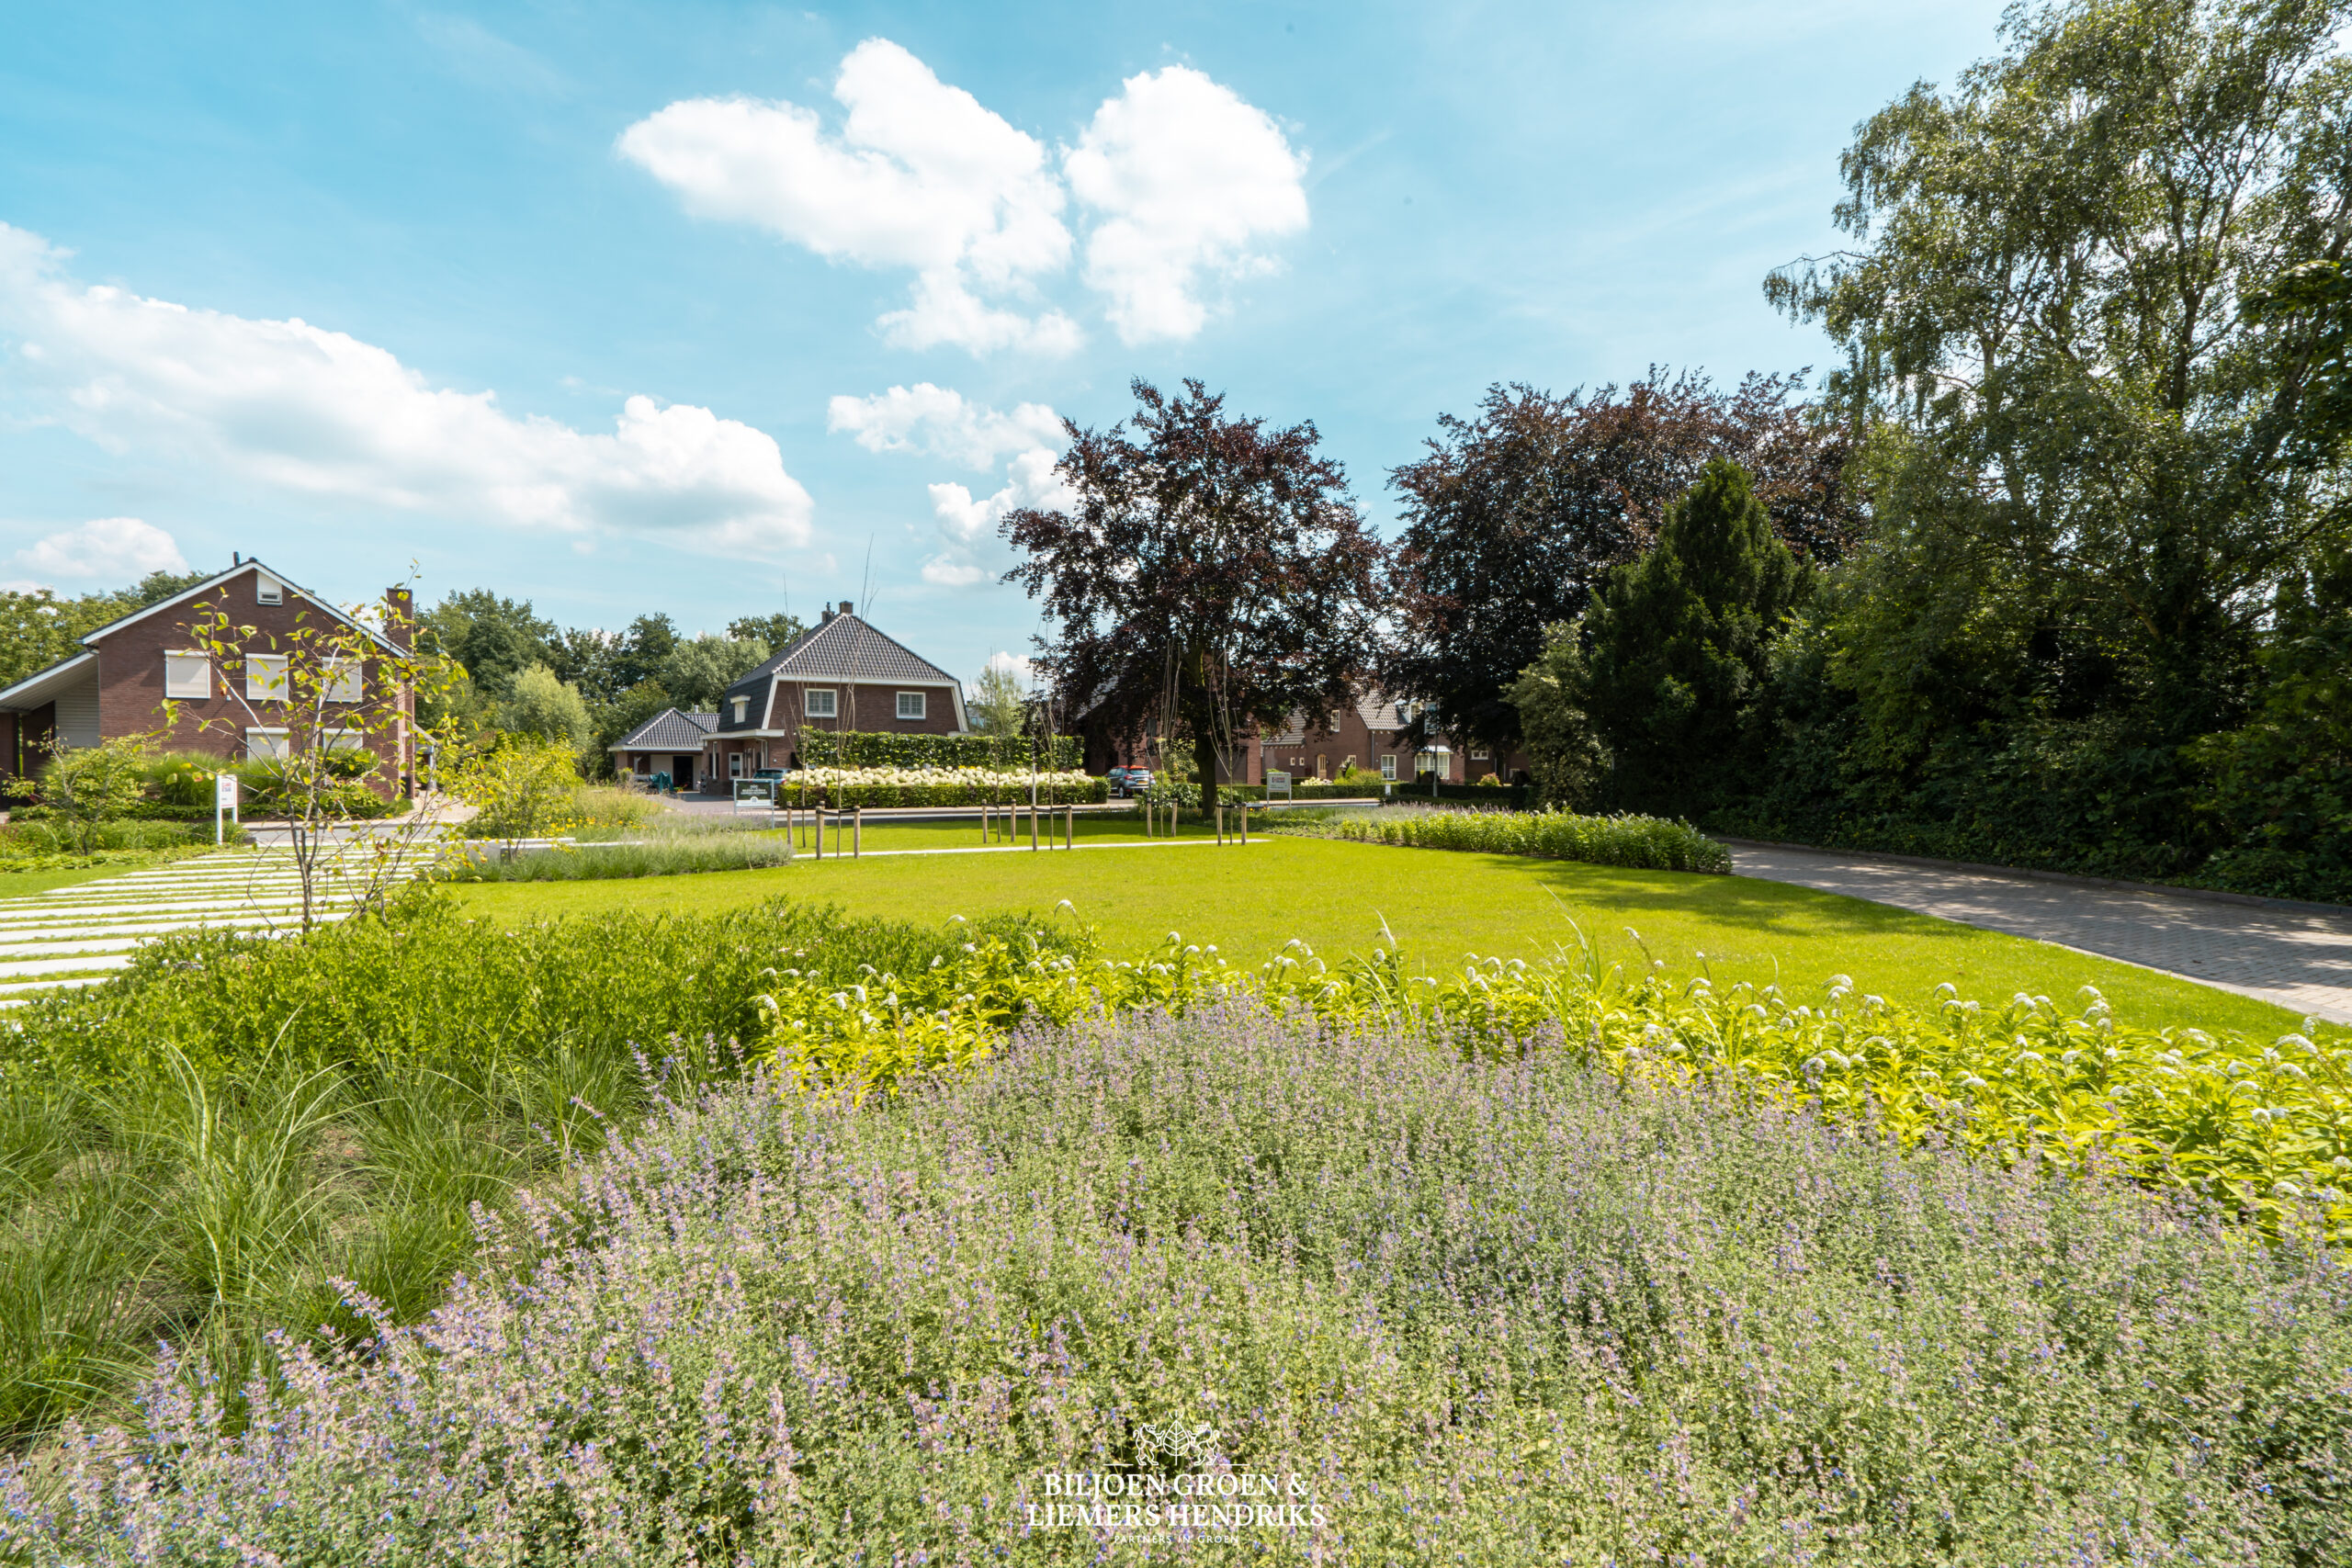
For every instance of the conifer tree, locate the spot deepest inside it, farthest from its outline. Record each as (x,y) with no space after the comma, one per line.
(1676,643)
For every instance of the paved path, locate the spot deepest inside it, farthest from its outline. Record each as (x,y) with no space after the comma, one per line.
(79,935)
(2301,959)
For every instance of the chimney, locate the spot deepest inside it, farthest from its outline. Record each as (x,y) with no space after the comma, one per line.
(399,618)
(826,614)
(846,606)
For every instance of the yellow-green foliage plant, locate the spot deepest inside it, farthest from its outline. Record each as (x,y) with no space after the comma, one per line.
(2268,1125)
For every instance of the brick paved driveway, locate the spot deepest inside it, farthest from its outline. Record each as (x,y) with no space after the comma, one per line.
(2297,958)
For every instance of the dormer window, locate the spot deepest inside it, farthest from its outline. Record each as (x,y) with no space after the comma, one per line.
(267,590)
(742,703)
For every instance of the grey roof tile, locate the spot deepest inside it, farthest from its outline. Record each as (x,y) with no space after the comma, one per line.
(670,730)
(845,649)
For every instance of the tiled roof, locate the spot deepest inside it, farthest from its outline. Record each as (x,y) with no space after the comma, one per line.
(846,649)
(670,730)
(1378,713)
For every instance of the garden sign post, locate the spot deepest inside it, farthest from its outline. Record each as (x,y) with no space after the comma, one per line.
(224,801)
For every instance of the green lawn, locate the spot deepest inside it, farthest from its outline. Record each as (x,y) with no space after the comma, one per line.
(1439,904)
(17,884)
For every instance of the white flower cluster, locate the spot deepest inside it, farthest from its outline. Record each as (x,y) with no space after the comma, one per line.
(925,778)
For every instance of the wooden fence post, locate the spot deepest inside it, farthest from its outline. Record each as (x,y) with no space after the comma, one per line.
(856,831)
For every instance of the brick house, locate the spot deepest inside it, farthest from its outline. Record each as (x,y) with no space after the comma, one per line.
(1371,732)
(116,685)
(670,742)
(841,674)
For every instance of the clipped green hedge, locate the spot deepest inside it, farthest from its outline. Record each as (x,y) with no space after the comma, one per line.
(1648,844)
(861,749)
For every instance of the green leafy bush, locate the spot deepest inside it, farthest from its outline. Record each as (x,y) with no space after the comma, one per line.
(859,749)
(28,834)
(1647,842)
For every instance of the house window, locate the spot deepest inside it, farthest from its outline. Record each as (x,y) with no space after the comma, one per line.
(735,762)
(821,704)
(1322,764)
(1478,755)
(188,675)
(267,590)
(1388,765)
(266,745)
(910,705)
(346,682)
(266,677)
(341,741)
(741,705)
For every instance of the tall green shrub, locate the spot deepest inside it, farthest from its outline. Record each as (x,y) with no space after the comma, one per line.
(539,703)
(1676,645)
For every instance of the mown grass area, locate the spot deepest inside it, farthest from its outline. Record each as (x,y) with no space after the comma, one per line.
(1341,897)
(17,884)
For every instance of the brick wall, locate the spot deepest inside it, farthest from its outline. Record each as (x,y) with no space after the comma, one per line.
(131,676)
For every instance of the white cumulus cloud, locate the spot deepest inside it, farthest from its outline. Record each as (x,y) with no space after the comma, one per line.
(321,412)
(1009,663)
(105,550)
(967,526)
(1187,177)
(1182,181)
(939,422)
(921,175)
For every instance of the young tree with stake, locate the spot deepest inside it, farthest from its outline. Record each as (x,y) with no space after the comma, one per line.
(337,700)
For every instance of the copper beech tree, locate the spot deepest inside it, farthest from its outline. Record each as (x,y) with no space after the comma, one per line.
(1514,517)
(334,702)
(1208,579)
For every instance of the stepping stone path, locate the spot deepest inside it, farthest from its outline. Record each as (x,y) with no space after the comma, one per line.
(79,935)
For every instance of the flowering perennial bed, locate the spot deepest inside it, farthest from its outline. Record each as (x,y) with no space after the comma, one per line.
(1491,1311)
(2266,1126)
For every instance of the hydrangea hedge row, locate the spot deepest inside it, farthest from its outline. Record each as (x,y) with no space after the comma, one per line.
(847,787)
(860,749)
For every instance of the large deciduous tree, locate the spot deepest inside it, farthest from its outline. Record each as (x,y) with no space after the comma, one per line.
(1209,578)
(1514,516)
(2093,470)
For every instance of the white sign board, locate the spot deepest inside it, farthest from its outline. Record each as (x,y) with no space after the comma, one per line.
(225,805)
(1276,780)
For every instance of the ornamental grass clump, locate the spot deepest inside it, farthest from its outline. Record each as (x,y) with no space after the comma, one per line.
(199,1151)
(589,860)
(1648,844)
(1488,1311)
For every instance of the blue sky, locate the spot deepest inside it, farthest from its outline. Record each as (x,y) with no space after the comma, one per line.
(604,305)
